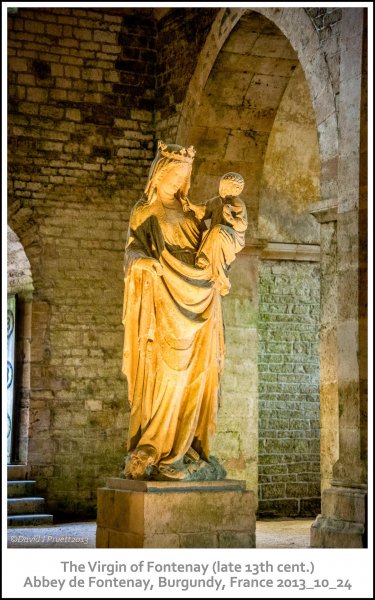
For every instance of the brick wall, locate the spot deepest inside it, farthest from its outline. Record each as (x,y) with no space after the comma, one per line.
(289,468)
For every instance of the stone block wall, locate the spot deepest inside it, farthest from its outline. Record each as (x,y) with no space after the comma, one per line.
(180,38)
(291,172)
(289,465)
(81,139)
(236,441)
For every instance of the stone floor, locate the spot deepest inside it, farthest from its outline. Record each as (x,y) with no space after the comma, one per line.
(275,533)
(288,533)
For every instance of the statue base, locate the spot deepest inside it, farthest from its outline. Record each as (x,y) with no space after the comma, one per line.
(160,514)
(342,523)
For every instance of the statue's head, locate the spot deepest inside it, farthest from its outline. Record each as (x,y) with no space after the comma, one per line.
(231,184)
(171,169)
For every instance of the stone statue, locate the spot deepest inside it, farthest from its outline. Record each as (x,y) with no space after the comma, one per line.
(228,216)
(175,274)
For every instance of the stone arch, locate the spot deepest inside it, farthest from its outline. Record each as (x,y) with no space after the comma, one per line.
(20,286)
(19,275)
(297,27)
(297,44)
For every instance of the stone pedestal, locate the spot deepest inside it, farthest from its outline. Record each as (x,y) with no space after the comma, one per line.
(194,514)
(342,523)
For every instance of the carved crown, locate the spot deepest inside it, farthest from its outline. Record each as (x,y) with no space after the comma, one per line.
(175,152)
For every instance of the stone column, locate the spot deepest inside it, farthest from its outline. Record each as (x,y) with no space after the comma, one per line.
(23,358)
(236,440)
(343,519)
(325,213)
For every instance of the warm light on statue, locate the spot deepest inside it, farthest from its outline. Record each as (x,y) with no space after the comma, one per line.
(176,270)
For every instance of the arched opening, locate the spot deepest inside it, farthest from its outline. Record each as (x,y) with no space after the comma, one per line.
(20,290)
(255,115)
(78,157)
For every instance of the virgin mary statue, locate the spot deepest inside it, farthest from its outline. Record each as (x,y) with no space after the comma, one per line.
(174,346)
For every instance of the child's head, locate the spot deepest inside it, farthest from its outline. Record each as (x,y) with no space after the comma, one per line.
(231,184)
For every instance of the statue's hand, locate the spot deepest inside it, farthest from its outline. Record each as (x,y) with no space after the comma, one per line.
(228,214)
(149,264)
(186,206)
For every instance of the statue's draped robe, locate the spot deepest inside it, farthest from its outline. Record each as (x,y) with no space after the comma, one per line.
(174,346)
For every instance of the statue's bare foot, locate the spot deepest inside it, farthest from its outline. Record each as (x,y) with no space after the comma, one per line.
(192,454)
